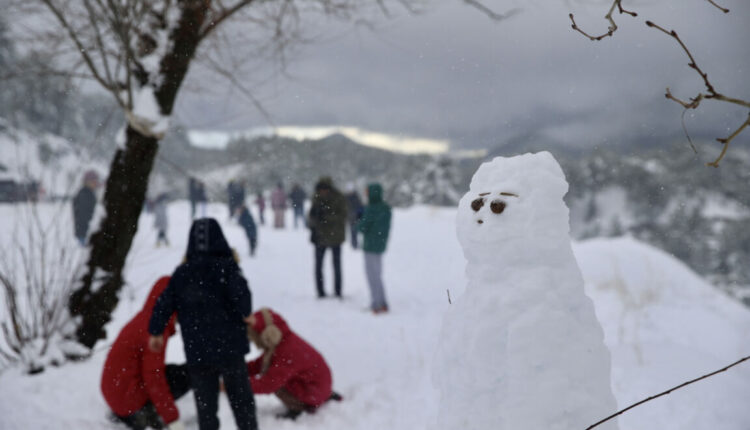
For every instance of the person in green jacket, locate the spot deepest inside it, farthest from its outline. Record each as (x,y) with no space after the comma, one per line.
(327,222)
(375,225)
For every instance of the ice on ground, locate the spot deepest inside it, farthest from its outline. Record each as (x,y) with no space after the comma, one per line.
(522,348)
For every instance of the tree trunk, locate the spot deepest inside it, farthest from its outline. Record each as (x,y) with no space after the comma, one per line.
(94,300)
(124,196)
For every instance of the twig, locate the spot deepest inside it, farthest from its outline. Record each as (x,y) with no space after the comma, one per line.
(723,9)
(612,25)
(491,13)
(711,94)
(684,384)
(726,142)
(687,135)
(449,296)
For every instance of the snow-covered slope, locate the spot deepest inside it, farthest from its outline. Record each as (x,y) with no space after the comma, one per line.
(663,324)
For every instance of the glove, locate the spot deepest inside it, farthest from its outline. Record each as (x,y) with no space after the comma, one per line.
(176,425)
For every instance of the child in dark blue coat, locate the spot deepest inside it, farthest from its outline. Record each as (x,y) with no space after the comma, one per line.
(247,222)
(213,303)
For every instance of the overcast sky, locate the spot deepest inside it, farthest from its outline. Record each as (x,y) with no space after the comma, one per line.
(453,74)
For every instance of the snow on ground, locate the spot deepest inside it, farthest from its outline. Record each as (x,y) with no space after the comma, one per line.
(663,324)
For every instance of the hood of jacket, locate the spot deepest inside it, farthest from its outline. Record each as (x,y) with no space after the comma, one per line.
(207,239)
(375,193)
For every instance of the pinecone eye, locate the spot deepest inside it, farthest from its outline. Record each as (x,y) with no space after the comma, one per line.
(477,204)
(497,206)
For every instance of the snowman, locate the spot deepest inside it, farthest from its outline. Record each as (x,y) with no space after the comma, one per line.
(521,349)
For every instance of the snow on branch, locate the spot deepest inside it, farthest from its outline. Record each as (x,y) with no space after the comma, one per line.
(694,102)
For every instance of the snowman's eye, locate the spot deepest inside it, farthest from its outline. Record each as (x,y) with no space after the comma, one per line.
(477,204)
(497,206)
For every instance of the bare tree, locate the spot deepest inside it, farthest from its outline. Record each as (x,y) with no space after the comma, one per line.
(710,93)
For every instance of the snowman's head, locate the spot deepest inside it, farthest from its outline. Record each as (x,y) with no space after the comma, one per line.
(513,202)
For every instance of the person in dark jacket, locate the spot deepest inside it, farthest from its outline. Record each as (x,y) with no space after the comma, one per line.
(290,368)
(136,384)
(193,195)
(327,223)
(355,212)
(236,195)
(298,196)
(212,302)
(375,226)
(245,219)
(84,204)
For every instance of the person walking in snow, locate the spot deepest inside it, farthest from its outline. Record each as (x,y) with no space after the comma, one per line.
(290,368)
(136,384)
(297,196)
(261,202)
(213,303)
(375,226)
(245,219)
(161,222)
(327,223)
(278,205)
(355,212)
(84,204)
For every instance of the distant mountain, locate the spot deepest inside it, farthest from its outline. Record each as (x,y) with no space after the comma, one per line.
(407,179)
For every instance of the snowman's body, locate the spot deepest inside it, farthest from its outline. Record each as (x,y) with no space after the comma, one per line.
(522,348)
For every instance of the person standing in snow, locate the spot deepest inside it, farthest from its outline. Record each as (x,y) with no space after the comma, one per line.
(136,384)
(355,212)
(245,219)
(161,222)
(84,204)
(200,198)
(192,195)
(236,195)
(261,202)
(278,205)
(375,226)
(290,368)
(327,223)
(213,303)
(297,197)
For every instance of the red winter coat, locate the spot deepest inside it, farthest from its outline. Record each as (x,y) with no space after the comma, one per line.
(295,366)
(133,374)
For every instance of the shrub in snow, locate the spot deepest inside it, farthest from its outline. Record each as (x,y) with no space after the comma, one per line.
(39,265)
(522,348)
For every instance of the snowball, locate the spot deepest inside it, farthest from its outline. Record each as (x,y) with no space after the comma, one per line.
(522,348)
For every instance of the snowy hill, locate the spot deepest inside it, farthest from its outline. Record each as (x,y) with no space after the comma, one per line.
(663,325)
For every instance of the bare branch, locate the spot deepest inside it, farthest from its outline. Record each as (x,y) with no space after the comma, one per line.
(612,24)
(222,16)
(684,384)
(491,13)
(723,9)
(81,48)
(726,141)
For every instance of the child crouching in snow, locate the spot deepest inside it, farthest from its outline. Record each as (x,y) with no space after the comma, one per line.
(289,368)
(136,384)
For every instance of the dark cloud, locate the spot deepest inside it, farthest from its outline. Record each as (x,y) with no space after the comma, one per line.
(453,73)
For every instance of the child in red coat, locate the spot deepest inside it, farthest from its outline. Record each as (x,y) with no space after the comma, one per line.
(136,384)
(289,368)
